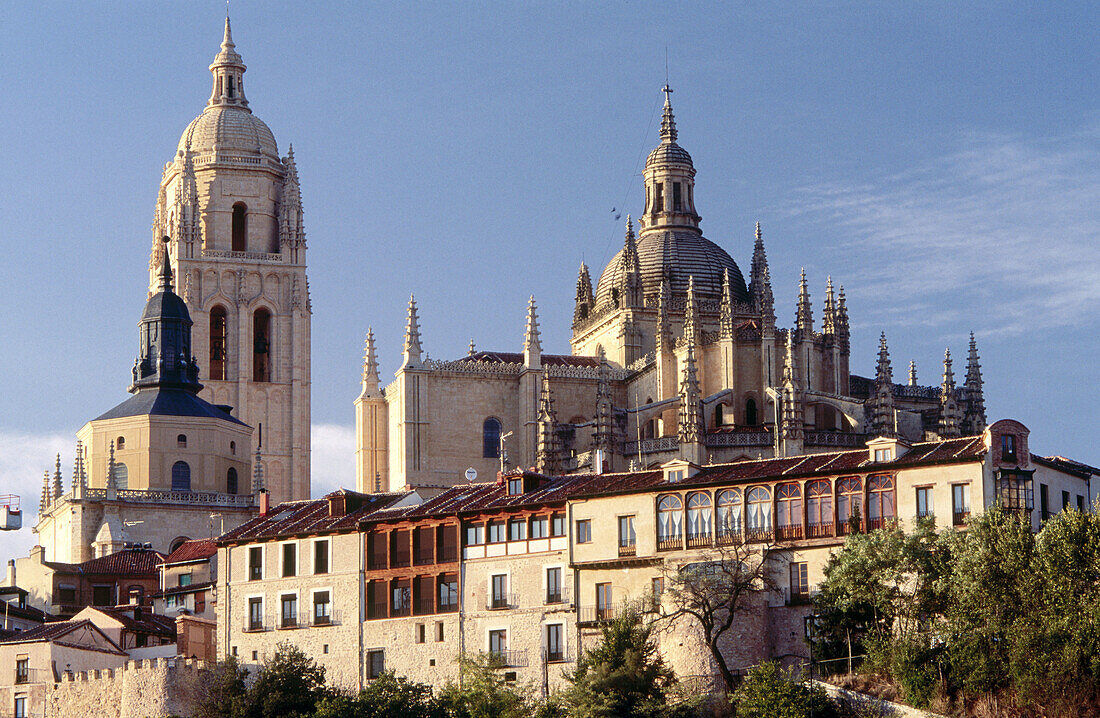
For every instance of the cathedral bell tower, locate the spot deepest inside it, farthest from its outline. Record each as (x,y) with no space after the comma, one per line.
(231,208)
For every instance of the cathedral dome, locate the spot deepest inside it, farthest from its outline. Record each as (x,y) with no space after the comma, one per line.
(228,128)
(668,153)
(676,255)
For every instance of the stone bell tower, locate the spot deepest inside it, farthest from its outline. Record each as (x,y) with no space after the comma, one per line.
(232,210)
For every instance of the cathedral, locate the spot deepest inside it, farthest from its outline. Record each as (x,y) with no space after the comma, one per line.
(220,409)
(674,356)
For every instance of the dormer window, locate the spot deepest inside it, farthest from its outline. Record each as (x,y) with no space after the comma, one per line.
(515,486)
(883,455)
(677,475)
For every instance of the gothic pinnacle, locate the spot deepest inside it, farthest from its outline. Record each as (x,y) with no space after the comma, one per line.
(828,314)
(111,466)
(912,373)
(804,317)
(411,352)
(371,380)
(532,343)
(691,313)
(668,122)
(44,501)
(57,487)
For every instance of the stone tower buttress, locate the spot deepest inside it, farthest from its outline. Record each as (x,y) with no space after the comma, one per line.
(231,208)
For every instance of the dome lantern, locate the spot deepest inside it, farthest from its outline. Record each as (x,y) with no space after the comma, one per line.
(669,180)
(228,70)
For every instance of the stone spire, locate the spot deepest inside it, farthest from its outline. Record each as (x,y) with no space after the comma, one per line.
(804,318)
(58,490)
(292,232)
(76,469)
(371,381)
(828,314)
(257,473)
(725,307)
(843,331)
(668,122)
(949,406)
(532,344)
(586,300)
(186,225)
(912,373)
(472,349)
(80,476)
(881,403)
(45,500)
(692,327)
(973,421)
(111,484)
(689,424)
(759,282)
(411,353)
(228,70)
(792,421)
(603,437)
(548,453)
(664,331)
(630,289)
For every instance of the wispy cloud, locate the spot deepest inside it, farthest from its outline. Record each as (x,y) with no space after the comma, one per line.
(1004,230)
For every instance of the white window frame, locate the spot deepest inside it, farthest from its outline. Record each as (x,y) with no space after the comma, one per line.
(507,586)
(331,603)
(546,584)
(564,639)
(297,607)
(263,608)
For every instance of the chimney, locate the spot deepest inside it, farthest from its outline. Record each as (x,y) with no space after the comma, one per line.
(265,502)
(11,572)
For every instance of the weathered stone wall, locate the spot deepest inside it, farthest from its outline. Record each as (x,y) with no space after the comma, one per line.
(140,689)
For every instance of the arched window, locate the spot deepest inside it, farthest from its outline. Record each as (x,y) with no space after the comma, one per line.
(240,227)
(181,441)
(261,345)
(122,476)
(751,417)
(849,501)
(670,522)
(698,519)
(720,415)
(788,504)
(120,443)
(880,502)
(819,508)
(218,328)
(759,514)
(231,481)
(490,438)
(181,476)
(729,515)
(233,448)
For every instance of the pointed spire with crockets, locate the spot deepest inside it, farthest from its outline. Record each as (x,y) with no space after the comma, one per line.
(411,353)
(828,313)
(973,422)
(804,318)
(725,307)
(692,327)
(949,405)
(631,281)
(843,331)
(586,301)
(292,233)
(58,490)
(760,286)
(257,473)
(76,468)
(111,467)
(668,122)
(689,424)
(791,426)
(45,500)
(912,373)
(532,343)
(603,437)
(548,453)
(664,330)
(80,476)
(881,403)
(371,380)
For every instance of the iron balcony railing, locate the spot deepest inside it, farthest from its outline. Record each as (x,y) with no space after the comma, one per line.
(255,624)
(498,602)
(600,614)
(505,658)
(628,547)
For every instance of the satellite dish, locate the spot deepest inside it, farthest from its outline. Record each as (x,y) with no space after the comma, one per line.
(471,474)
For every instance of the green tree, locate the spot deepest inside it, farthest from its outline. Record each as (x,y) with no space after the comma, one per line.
(770,692)
(387,696)
(482,691)
(289,685)
(623,675)
(221,690)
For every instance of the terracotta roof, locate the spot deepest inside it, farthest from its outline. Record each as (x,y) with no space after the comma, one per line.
(131,562)
(196,550)
(547,359)
(149,622)
(308,517)
(190,588)
(28,612)
(1070,466)
(48,631)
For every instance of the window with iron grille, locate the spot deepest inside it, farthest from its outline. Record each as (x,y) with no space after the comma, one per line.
(322,608)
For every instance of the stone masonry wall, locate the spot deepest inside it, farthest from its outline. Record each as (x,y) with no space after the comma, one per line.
(141,689)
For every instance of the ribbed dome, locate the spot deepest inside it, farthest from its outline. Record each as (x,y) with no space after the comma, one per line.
(228,128)
(668,152)
(166,305)
(677,255)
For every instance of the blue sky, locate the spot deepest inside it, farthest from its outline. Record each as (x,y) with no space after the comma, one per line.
(938,159)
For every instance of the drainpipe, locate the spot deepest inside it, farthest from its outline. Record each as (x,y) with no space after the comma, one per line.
(362,537)
(576,576)
(461,599)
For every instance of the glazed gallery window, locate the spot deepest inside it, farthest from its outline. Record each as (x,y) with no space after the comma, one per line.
(540,527)
(557,525)
(698,516)
(670,518)
(497,532)
(819,508)
(849,499)
(758,517)
(517,530)
(448,593)
(788,504)
(475,534)
(881,504)
(729,513)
